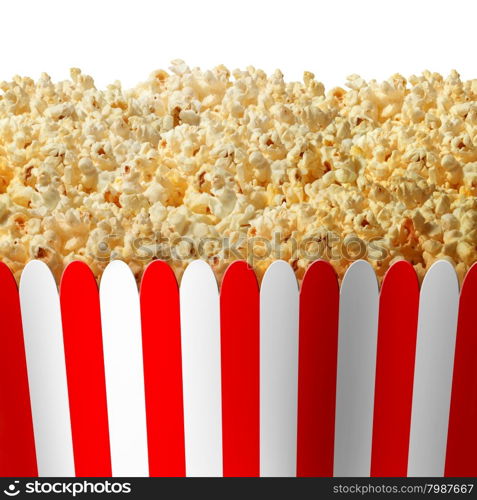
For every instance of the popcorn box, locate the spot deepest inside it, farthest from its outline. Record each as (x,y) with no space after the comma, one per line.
(325,380)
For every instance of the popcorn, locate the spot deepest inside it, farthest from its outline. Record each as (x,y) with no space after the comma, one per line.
(221,166)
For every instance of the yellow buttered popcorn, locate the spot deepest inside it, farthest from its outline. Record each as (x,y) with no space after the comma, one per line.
(224,165)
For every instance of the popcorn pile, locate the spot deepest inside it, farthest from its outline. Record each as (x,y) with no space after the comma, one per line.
(218,165)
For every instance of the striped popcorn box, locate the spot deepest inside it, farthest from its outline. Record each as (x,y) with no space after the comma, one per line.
(325,380)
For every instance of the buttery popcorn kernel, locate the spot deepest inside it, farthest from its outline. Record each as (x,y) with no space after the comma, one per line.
(227,165)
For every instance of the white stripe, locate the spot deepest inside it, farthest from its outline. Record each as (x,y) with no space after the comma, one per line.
(439,302)
(121,325)
(46,367)
(358,326)
(278,371)
(201,372)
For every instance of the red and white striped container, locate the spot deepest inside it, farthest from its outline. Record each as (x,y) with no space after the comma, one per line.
(276,381)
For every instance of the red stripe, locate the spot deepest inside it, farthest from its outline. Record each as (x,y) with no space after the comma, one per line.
(161,342)
(240,344)
(397,332)
(318,351)
(461,458)
(17,444)
(83,344)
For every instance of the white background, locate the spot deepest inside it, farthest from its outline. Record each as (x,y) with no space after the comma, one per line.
(126,40)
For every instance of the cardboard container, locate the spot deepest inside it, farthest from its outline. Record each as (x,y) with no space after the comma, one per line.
(276,381)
